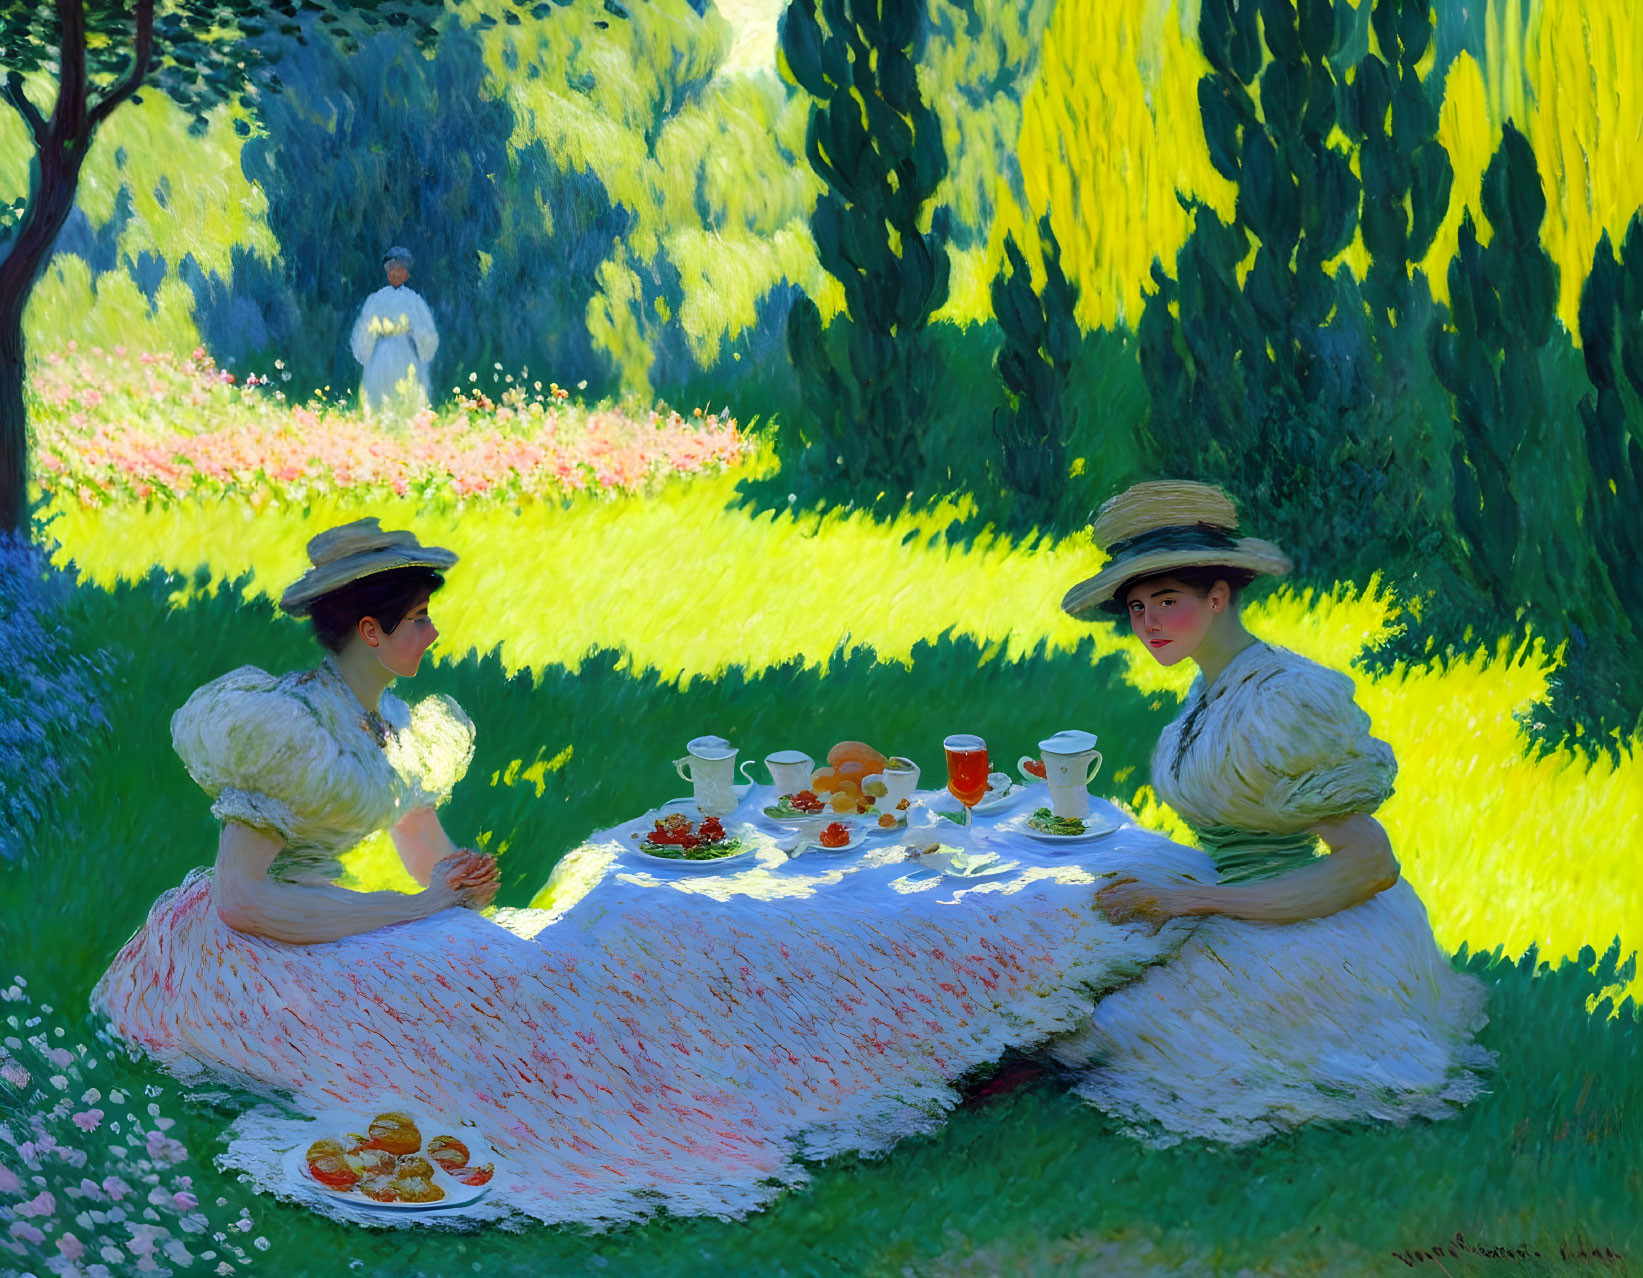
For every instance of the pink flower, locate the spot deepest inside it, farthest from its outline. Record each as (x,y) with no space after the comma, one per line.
(115,1188)
(42,1204)
(71,1247)
(89,1121)
(185,1201)
(9,1184)
(28,1233)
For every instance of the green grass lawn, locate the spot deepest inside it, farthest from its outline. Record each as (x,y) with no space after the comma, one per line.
(1032,1183)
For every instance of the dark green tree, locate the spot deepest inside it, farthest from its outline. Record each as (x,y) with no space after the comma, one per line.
(1611,340)
(1503,298)
(100,54)
(1407,176)
(1041,342)
(872,139)
(1401,424)
(1251,375)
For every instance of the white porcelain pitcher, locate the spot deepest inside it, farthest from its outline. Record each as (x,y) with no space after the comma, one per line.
(710,767)
(1071,762)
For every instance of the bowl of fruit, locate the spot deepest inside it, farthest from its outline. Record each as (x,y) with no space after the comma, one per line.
(388,1167)
(859,782)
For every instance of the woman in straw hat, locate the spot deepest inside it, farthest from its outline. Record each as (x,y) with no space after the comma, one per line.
(1312,988)
(303,766)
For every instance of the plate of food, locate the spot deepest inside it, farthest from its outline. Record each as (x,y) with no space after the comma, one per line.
(389,1167)
(833,836)
(890,818)
(676,839)
(1044,825)
(789,809)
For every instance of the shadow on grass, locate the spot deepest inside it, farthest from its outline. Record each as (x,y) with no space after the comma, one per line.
(1032,1183)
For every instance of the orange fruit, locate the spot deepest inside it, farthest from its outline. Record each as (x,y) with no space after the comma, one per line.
(379,1189)
(842,802)
(378,1162)
(395,1132)
(825,781)
(854,770)
(448,1152)
(856,752)
(475,1175)
(413,1189)
(328,1163)
(414,1167)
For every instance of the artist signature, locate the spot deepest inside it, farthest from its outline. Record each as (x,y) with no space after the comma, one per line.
(1459,1247)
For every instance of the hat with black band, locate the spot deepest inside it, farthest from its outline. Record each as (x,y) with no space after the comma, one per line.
(1154,527)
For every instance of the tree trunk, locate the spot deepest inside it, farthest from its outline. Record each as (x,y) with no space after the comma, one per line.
(13,421)
(51,199)
(60,147)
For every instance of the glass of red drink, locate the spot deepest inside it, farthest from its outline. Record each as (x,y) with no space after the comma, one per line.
(967,770)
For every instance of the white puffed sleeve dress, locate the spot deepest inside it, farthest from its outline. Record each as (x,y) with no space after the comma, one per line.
(1254,1028)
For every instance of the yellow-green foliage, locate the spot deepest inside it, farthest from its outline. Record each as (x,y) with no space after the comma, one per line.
(1109,134)
(1575,88)
(980,58)
(66,306)
(1584,65)
(711,166)
(1505,850)
(187,196)
(1111,131)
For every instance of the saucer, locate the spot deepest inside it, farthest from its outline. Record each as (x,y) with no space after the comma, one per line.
(1095,826)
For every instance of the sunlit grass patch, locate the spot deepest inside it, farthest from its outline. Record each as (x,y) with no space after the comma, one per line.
(1035,1183)
(1506,850)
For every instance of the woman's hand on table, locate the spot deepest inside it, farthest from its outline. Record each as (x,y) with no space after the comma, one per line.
(468,877)
(1133,901)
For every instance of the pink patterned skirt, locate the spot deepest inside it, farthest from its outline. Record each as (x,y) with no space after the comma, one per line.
(629,1057)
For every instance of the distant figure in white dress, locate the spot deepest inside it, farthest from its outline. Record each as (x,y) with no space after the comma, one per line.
(394,340)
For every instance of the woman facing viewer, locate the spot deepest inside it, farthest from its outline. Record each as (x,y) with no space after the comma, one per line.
(1313,987)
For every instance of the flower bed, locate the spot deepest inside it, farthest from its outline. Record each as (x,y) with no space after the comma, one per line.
(109,427)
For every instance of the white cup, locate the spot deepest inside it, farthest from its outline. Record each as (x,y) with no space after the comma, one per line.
(790,771)
(900,777)
(710,767)
(1068,757)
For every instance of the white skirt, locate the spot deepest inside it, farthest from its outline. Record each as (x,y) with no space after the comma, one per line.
(1254,1028)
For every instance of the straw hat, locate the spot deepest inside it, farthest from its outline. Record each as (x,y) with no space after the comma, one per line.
(1150,528)
(349,552)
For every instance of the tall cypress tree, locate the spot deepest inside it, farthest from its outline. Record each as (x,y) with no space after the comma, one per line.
(877,146)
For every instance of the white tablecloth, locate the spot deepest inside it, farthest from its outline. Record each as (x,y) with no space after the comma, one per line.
(678,1035)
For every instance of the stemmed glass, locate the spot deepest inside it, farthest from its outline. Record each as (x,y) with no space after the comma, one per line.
(967,770)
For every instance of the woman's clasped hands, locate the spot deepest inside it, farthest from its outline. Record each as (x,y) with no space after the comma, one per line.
(470,877)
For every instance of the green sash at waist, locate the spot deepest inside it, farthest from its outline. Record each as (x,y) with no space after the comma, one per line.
(1245,856)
